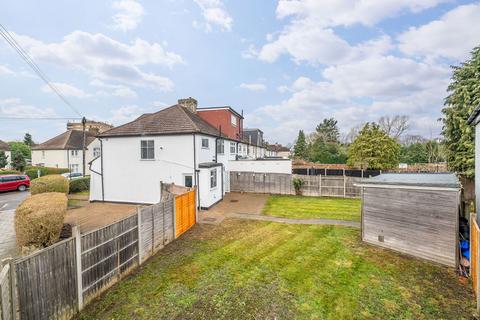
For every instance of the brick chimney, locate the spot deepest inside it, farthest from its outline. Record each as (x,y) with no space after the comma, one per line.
(189,103)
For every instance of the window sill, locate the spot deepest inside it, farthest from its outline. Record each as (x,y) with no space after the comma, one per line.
(147,159)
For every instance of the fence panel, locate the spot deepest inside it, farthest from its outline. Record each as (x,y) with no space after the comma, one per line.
(185,212)
(5,294)
(279,183)
(107,253)
(47,283)
(474,249)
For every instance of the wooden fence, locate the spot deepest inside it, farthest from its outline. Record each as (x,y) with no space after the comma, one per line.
(474,256)
(56,282)
(279,183)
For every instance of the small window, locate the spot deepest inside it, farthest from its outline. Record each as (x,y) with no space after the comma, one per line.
(74,168)
(205,143)
(233,119)
(147,149)
(213,178)
(220,146)
(188,181)
(74,153)
(43,154)
(233,148)
(96,152)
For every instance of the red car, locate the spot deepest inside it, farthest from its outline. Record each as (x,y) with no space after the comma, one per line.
(14,182)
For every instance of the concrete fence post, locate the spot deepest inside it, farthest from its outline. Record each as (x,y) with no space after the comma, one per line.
(344,184)
(140,239)
(13,286)
(78,261)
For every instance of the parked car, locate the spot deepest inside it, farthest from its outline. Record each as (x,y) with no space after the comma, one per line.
(11,182)
(72,175)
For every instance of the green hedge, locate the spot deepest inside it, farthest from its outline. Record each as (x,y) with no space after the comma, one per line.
(39,219)
(9,172)
(51,183)
(79,185)
(32,172)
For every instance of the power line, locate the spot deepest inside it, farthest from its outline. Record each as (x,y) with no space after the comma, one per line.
(38,118)
(26,57)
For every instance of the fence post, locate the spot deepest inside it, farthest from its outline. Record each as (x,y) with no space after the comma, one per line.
(174,214)
(153,229)
(344,185)
(139,229)
(13,286)
(78,260)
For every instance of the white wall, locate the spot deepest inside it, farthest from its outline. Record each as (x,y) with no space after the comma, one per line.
(209,196)
(477,166)
(267,166)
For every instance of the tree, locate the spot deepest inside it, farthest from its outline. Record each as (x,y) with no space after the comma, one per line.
(464,96)
(414,153)
(27,139)
(20,147)
(18,161)
(3,159)
(300,148)
(395,126)
(373,149)
(326,152)
(327,130)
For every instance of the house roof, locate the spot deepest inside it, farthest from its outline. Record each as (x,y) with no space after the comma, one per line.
(437,180)
(221,108)
(4,146)
(172,120)
(473,117)
(71,139)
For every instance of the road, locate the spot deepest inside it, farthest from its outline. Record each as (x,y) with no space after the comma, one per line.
(8,202)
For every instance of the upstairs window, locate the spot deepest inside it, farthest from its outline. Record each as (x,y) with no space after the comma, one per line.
(205,143)
(220,146)
(96,152)
(233,148)
(147,149)
(74,153)
(233,119)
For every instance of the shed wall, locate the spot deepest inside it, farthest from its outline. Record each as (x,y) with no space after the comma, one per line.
(422,223)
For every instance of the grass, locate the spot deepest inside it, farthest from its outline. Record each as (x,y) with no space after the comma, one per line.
(299,207)
(82,193)
(261,270)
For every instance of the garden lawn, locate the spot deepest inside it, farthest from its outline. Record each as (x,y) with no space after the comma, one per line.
(264,270)
(299,207)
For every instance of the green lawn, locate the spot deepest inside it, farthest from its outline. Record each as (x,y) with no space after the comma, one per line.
(261,270)
(299,207)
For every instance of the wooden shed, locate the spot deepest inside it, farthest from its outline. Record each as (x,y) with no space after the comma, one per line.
(412,213)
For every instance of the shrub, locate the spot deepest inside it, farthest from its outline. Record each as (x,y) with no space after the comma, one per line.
(79,185)
(51,183)
(9,172)
(39,219)
(298,184)
(32,172)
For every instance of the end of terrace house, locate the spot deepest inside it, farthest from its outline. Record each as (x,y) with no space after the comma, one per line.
(181,144)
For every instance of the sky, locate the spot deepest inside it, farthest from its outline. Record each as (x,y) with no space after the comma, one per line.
(287,64)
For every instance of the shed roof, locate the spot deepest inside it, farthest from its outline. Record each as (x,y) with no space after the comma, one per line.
(437,180)
(205,165)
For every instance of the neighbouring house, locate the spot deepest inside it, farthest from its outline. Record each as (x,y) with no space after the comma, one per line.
(66,151)
(181,144)
(277,150)
(90,125)
(254,143)
(5,147)
(413,213)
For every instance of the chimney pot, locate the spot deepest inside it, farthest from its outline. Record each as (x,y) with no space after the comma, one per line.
(189,103)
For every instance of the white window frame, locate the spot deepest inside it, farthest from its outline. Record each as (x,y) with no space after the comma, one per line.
(74,153)
(221,146)
(233,148)
(147,147)
(213,175)
(74,168)
(233,120)
(207,145)
(185,181)
(96,152)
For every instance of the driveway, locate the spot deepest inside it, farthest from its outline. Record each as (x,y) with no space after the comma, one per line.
(8,203)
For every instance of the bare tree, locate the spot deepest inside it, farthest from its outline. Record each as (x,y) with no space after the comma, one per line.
(394,126)
(413,138)
(352,134)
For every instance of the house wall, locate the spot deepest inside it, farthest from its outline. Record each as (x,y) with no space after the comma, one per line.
(422,223)
(222,117)
(266,166)
(477,168)
(209,196)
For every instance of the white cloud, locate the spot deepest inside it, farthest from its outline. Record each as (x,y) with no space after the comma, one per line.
(125,114)
(309,35)
(105,58)
(254,86)
(116,90)
(451,36)
(67,90)
(215,15)
(14,107)
(6,70)
(129,16)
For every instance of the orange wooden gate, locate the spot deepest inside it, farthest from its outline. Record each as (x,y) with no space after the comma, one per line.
(185,212)
(474,234)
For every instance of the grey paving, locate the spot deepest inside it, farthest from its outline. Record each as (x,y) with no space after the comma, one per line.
(8,202)
(295,221)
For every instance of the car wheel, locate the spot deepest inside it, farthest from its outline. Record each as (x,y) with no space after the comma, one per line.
(22,188)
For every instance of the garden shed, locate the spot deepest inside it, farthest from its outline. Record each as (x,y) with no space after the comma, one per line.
(412,213)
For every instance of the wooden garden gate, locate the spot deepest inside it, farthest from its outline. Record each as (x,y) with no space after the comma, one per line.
(185,212)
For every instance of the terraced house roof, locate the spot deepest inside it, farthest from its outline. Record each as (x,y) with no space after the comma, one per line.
(69,140)
(4,146)
(172,120)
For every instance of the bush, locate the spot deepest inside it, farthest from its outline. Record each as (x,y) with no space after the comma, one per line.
(32,172)
(39,219)
(79,185)
(52,183)
(298,185)
(9,172)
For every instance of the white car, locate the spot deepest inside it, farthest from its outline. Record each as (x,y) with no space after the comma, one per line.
(72,175)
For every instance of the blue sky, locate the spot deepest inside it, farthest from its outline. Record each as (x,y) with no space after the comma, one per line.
(286,64)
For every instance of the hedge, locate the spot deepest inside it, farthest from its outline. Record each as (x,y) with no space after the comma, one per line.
(9,172)
(32,172)
(51,183)
(79,185)
(39,219)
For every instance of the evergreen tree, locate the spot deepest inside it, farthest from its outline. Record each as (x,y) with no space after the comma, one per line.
(27,139)
(300,148)
(328,131)
(373,149)
(464,96)
(3,159)
(18,161)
